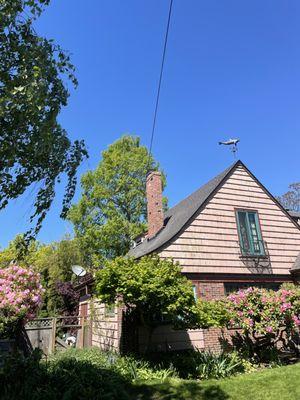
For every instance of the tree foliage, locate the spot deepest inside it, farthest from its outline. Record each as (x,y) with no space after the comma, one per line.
(34,149)
(153,287)
(212,313)
(69,298)
(18,252)
(54,262)
(112,209)
(291,199)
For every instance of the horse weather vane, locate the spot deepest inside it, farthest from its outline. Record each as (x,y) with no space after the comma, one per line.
(233,145)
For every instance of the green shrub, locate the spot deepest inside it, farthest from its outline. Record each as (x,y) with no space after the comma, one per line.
(75,375)
(195,364)
(212,313)
(67,377)
(137,370)
(211,365)
(128,367)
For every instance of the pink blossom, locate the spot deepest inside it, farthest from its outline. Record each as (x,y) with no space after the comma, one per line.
(296,320)
(285,306)
(20,292)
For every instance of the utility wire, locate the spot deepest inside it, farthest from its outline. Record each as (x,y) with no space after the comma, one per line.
(160,80)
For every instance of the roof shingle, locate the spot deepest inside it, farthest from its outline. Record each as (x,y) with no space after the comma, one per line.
(179,215)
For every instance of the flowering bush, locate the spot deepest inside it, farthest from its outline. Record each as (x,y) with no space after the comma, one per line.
(266,321)
(269,320)
(20,295)
(263,312)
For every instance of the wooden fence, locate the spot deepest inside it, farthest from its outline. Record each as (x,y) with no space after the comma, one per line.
(47,334)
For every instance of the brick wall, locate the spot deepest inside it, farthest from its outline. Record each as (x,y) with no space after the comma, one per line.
(211,339)
(211,290)
(216,339)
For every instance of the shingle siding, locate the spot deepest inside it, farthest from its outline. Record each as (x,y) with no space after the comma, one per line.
(210,243)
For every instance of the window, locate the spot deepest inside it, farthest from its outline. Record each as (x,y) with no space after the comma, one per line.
(249,233)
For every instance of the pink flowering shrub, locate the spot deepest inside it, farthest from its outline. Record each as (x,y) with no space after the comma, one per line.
(269,320)
(266,321)
(20,295)
(262,312)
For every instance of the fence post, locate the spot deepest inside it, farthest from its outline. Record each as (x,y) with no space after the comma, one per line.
(90,330)
(81,331)
(53,336)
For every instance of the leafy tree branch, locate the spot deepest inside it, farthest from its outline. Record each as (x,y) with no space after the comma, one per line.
(34,147)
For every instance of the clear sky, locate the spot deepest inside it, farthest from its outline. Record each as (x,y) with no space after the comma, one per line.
(232,70)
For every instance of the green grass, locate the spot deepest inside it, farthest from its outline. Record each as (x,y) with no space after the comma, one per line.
(92,375)
(280,383)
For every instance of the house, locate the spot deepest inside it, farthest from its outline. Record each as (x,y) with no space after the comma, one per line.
(230,231)
(229,234)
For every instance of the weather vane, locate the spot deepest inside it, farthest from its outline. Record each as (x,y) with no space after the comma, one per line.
(233,145)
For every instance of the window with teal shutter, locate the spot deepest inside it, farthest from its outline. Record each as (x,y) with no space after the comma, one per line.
(250,234)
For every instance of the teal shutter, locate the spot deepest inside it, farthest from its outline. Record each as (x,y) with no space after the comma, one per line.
(195,292)
(255,234)
(243,232)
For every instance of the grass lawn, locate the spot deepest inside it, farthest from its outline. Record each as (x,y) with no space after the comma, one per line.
(92,375)
(278,383)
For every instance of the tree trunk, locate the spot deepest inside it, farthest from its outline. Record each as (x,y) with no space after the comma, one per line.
(149,332)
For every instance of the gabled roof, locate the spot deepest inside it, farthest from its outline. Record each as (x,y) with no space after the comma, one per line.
(294,214)
(177,216)
(296,267)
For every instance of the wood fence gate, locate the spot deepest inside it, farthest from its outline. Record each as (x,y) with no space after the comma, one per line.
(51,334)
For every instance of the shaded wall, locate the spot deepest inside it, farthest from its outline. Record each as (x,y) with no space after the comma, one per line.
(164,338)
(105,328)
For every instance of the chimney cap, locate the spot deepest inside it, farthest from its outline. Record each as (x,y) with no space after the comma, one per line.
(153,172)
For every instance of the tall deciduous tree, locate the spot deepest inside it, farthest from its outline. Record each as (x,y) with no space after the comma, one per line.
(153,288)
(291,199)
(112,209)
(34,148)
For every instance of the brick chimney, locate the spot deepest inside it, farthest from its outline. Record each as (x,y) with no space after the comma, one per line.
(154,203)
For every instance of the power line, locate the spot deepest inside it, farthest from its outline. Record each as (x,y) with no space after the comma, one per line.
(160,79)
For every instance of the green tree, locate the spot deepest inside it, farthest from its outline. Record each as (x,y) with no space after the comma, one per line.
(151,287)
(112,209)
(14,253)
(54,262)
(34,149)
(291,199)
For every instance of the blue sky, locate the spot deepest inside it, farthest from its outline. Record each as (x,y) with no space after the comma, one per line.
(232,70)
